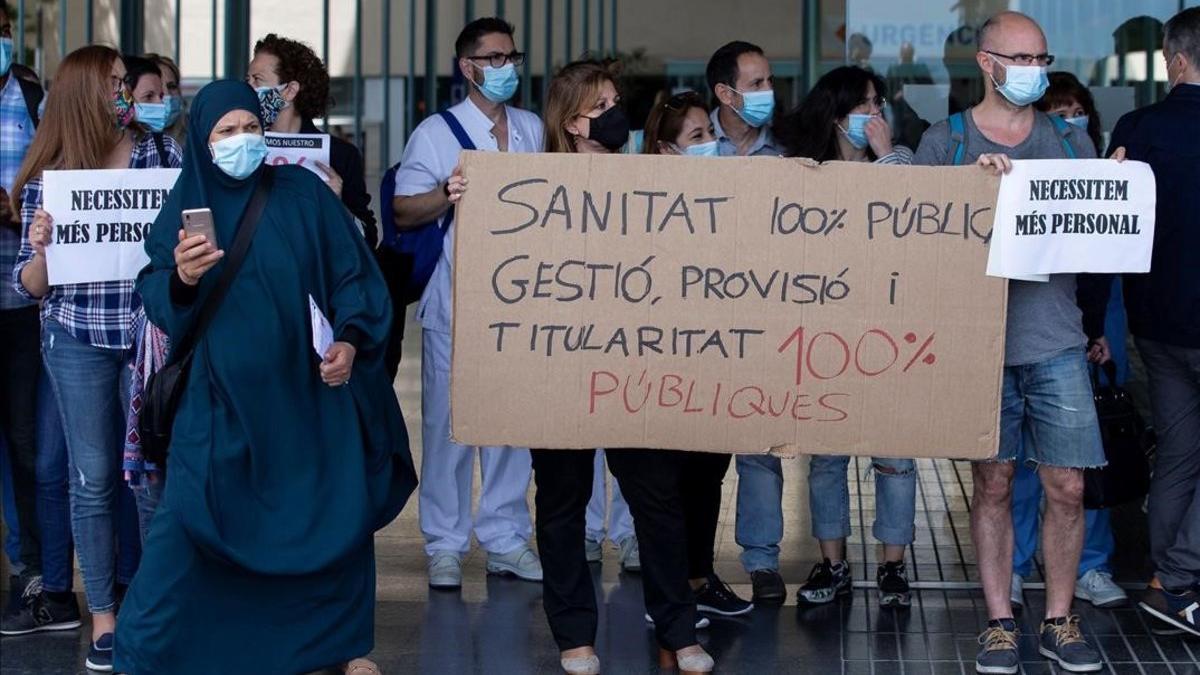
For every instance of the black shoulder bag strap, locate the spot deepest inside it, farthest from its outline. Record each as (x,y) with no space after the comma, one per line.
(161,147)
(237,255)
(33,94)
(164,390)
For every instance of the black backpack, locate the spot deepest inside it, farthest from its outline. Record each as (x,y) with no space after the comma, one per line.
(1127,443)
(31,90)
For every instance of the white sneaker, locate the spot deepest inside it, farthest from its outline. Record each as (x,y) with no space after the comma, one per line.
(631,558)
(522,563)
(1016,594)
(1098,588)
(445,570)
(594,550)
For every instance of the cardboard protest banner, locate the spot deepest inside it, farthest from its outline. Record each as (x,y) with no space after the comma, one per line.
(726,305)
(101,220)
(302,149)
(1064,216)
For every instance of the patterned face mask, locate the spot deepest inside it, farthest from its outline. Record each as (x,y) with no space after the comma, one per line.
(270,102)
(122,104)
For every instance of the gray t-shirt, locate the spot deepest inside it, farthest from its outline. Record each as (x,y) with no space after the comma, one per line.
(1043,318)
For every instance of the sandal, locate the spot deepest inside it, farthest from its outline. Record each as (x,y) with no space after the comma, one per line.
(362,667)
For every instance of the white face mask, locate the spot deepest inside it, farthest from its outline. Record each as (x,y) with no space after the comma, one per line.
(1178,78)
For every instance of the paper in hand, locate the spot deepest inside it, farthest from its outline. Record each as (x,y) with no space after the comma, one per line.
(1066,216)
(322,332)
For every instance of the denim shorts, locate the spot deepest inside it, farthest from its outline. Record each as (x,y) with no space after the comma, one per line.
(1048,416)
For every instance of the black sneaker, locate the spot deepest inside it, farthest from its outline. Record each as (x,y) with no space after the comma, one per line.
(43,613)
(1062,642)
(825,582)
(769,588)
(893,585)
(1180,611)
(21,591)
(100,654)
(16,599)
(999,653)
(716,597)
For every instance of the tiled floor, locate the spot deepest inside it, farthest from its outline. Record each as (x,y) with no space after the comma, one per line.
(497,625)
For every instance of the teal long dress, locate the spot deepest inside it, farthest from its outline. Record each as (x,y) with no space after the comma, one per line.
(260,557)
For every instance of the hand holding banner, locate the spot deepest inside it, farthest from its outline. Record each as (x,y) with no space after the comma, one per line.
(1068,216)
(101,220)
(733,304)
(301,149)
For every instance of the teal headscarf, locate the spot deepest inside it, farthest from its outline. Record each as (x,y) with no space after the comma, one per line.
(202,184)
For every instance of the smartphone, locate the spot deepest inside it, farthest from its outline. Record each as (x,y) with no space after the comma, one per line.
(200,221)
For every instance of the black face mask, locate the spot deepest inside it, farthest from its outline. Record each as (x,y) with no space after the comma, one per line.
(610,129)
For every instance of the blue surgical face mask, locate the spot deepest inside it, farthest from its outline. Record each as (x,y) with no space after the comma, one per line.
(708,149)
(6,55)
(238,156)
(1023,85)
(856,129)
(174,109)
(499,84)
(1081,121)
(757,107)
(153,115)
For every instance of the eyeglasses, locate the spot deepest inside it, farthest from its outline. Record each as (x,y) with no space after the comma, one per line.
(117,83)
(1026,59)
(879,101)
(498,60)
(683,100)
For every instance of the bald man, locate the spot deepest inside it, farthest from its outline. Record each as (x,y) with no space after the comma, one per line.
(1047,415)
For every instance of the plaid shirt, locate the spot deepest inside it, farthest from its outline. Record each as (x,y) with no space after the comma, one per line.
(16,133)
(99,314)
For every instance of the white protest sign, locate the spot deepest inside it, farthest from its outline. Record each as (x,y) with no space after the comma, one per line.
(322,332)
(302,149)
(1067,216)
(101,220)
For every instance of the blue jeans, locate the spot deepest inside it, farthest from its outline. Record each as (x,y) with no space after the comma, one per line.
(147,497)
(895,498)
(1047,415)
(12,538)
(759,525)
(53,500)
(1098,543)
(91,386)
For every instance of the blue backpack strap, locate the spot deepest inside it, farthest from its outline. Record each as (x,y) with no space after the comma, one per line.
(1064,132)
(444,224)
(958,145)
(457,129)
(467,144)
(387,189)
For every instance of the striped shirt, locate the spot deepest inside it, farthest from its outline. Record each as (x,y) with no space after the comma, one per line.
(16,133)
(99,314)
(900,155)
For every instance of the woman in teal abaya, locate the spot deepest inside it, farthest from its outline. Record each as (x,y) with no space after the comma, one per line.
(260,558)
